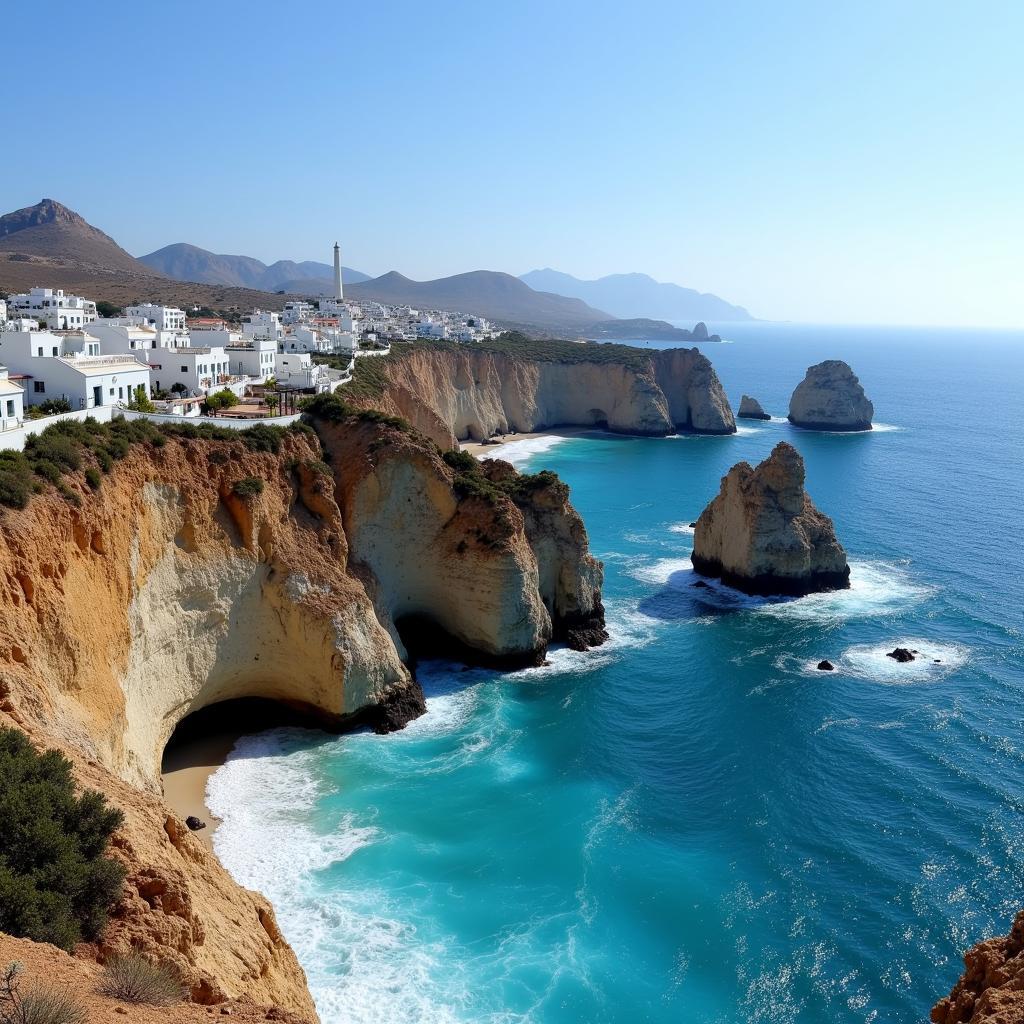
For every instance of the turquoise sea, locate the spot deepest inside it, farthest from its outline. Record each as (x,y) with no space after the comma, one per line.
(693,823)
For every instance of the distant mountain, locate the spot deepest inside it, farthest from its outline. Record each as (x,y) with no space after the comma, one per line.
(493,295)
(51,233)
(185,262)
(637,295)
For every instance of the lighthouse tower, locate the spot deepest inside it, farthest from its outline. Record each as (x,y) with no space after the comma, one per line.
(338,293)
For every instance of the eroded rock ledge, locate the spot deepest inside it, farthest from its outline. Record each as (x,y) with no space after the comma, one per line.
(472,392)
(763,535)
(172,588)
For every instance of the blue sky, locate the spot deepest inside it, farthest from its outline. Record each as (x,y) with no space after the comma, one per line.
(850,162)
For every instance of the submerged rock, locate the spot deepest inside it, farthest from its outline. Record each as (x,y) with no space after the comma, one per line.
(901,654)
(763,535)
(194,824)
(826,666)
(830,397)
(750,409)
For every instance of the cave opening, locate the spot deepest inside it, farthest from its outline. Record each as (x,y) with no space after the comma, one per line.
(599,418)
(424,638)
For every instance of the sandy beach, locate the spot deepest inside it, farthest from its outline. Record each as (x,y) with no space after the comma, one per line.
(186,768)
(520,446)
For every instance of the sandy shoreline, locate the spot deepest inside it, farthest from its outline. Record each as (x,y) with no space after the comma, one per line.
(186,769)
(493,448)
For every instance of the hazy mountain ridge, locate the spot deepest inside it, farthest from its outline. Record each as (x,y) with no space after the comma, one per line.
(185,262)
(490,293)
(637,296)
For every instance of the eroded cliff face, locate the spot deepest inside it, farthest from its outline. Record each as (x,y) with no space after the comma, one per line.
(470,393)
(171,589)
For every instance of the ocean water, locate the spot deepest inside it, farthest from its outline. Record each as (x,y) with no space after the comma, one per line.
(693,823)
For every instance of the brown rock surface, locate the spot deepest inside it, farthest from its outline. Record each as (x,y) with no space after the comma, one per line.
(470,393)
(763,535)
(830,397)
(991,989)
(165,592)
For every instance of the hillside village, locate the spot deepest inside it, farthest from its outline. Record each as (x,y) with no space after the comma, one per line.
(64,354)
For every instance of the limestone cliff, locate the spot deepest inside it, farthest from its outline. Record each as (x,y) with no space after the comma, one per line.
(203,571)
(991,989)
(763,535)
(830,397)
(460,392)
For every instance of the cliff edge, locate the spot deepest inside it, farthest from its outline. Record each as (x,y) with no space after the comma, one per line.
(202,570)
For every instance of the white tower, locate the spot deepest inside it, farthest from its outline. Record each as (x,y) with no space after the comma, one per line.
(338,293)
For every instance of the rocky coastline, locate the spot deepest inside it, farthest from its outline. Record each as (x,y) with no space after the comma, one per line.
(202,571)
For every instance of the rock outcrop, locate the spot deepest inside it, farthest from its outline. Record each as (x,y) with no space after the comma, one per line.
(170,589)
(471,392)
(991,989)
(830,397)
(750,409)
(763,535)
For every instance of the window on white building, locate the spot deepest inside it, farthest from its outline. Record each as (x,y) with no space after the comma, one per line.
(39,387)
(10,408)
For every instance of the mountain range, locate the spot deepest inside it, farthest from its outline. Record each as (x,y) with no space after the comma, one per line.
(637,295)
(52,246)
(186,262)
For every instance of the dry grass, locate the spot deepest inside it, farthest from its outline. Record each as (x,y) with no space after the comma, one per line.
(134,979)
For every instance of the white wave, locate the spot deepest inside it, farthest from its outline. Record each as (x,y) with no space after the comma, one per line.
(885,428)
(662,570)
(935,660)
(365,965)
(519,453)
(876,588)
(745,429)
(681,528)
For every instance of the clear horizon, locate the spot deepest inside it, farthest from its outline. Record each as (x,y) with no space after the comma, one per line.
(809,164)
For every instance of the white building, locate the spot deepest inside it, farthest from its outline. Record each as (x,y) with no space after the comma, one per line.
(263,326)
(196,369)
(428,329)
(12,402)
(3,311)
(295,312)
(50,306)
(71,366)
(297,370)
(252,358)
(163,318)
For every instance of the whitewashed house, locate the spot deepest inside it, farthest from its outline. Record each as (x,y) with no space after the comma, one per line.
(50,306)
(12,402)
(297,370)
(295,312)
(163,318)
(3,311)
(198,369)
(252,358)
(263,326)
(71,366)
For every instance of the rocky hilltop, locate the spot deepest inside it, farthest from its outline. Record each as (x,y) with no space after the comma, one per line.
(205,570)
(830,397)
(763,535)
(750,409)
(457,392)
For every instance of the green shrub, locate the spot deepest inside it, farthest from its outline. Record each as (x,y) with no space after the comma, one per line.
(263,438)
(135,980)
(47,470)
(140,401)
(56,445)
(52,406)
(247,487)
(461,462)
(70,496)
(93,478)
(15,479)
(56,885)
(105,459)
(38,1004)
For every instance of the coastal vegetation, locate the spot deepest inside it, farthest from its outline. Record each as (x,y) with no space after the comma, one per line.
(56,883)
(38,1003)
(135,979)
(68,447)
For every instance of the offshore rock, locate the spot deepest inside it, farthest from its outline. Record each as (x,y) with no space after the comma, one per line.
(901,654)
(826,666)
(763,535)
(830,397)
(750,409)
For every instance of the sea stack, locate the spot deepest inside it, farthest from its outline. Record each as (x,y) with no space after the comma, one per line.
(763,535)
(830,397)
(750,409)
